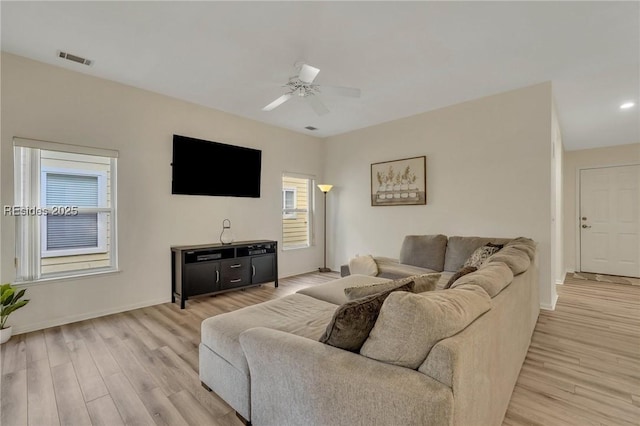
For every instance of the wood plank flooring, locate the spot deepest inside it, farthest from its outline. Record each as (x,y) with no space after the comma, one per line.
(141,367)
(583,365)
(133,368)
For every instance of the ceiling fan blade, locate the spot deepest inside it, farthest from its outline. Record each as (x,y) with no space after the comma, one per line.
(308,73)
(317,105)
(341,91)
(275,104)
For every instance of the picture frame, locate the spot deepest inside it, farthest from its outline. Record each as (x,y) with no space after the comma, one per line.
(399,182)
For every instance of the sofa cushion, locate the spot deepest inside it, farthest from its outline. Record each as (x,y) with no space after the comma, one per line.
(460,248)
(422,283)
(297,314)
(409,325)
(492,277)
(425,251)
(333,291)
(393,269)
(517,260)
(481,254)
(352,322)
(363,265)
(461,273)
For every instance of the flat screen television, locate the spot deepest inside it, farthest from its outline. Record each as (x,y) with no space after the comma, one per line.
(211,168)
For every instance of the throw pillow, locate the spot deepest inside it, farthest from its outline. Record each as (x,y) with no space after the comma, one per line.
(363,265)
(422,283)
(352,322)
(410,325)
(461,273)
(481,254)
(500,246)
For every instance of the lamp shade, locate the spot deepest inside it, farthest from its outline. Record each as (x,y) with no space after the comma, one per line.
(325,187)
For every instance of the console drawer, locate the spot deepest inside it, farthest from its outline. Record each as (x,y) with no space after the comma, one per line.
(235,273)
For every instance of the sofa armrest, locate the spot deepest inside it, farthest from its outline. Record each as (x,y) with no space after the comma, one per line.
(295,380)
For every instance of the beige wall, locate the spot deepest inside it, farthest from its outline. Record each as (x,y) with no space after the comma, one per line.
(573,162)
(44,102)
(488,174)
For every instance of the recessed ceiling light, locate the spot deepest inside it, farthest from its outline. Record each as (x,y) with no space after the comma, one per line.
(627,105)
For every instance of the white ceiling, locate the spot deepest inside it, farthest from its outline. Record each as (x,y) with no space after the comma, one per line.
(407,58)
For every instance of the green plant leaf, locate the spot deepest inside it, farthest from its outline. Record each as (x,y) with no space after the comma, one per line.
(8,310)
(20,294)
(9,299)
(6,294)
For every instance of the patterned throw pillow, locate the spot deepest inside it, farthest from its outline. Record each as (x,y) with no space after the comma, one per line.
(481,254)
(353,321)
(461,273)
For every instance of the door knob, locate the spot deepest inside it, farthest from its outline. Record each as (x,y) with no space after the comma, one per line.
(586,226)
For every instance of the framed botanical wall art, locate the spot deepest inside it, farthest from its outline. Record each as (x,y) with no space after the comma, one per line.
(399,182)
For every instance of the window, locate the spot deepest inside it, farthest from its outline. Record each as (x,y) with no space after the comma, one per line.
(289,197)
(74,234)
(67,223)
(297,200)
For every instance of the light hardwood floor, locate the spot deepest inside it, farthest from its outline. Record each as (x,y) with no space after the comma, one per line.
(141,367)
(583,365)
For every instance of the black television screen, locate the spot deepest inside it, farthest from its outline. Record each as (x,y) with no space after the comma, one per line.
(211,168)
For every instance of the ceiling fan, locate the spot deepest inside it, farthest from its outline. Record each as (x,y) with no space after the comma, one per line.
(302,85)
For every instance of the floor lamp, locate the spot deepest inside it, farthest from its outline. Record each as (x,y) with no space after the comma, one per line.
(325,188)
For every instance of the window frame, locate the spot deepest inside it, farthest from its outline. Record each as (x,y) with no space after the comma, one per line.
(101,211)
(289,213)
(310,211)
(27,193)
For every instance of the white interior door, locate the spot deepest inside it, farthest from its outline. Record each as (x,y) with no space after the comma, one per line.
(610,220)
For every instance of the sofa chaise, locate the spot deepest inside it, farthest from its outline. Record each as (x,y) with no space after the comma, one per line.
(267,363)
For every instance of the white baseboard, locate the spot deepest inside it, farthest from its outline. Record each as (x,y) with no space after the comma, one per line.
(87,315)
(550,307)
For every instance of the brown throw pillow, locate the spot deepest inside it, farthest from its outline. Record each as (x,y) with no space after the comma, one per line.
(461,273)
(353,321)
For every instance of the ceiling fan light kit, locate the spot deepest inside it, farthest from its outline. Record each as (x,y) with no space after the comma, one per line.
(302,86)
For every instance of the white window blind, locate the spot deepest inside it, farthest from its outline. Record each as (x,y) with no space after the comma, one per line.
(72,232)
(71,190)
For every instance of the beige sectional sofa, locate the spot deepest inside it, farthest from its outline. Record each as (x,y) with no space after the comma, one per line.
(266,361)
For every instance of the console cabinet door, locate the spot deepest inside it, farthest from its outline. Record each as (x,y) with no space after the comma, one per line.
(263,269)
(201,278)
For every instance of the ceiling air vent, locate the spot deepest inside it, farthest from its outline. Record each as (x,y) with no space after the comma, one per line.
(311,128)
(74,58)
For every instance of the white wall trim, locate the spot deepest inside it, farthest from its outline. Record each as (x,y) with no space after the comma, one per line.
(552,306)
(88,315)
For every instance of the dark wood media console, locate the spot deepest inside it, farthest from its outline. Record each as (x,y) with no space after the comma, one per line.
(217,268)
